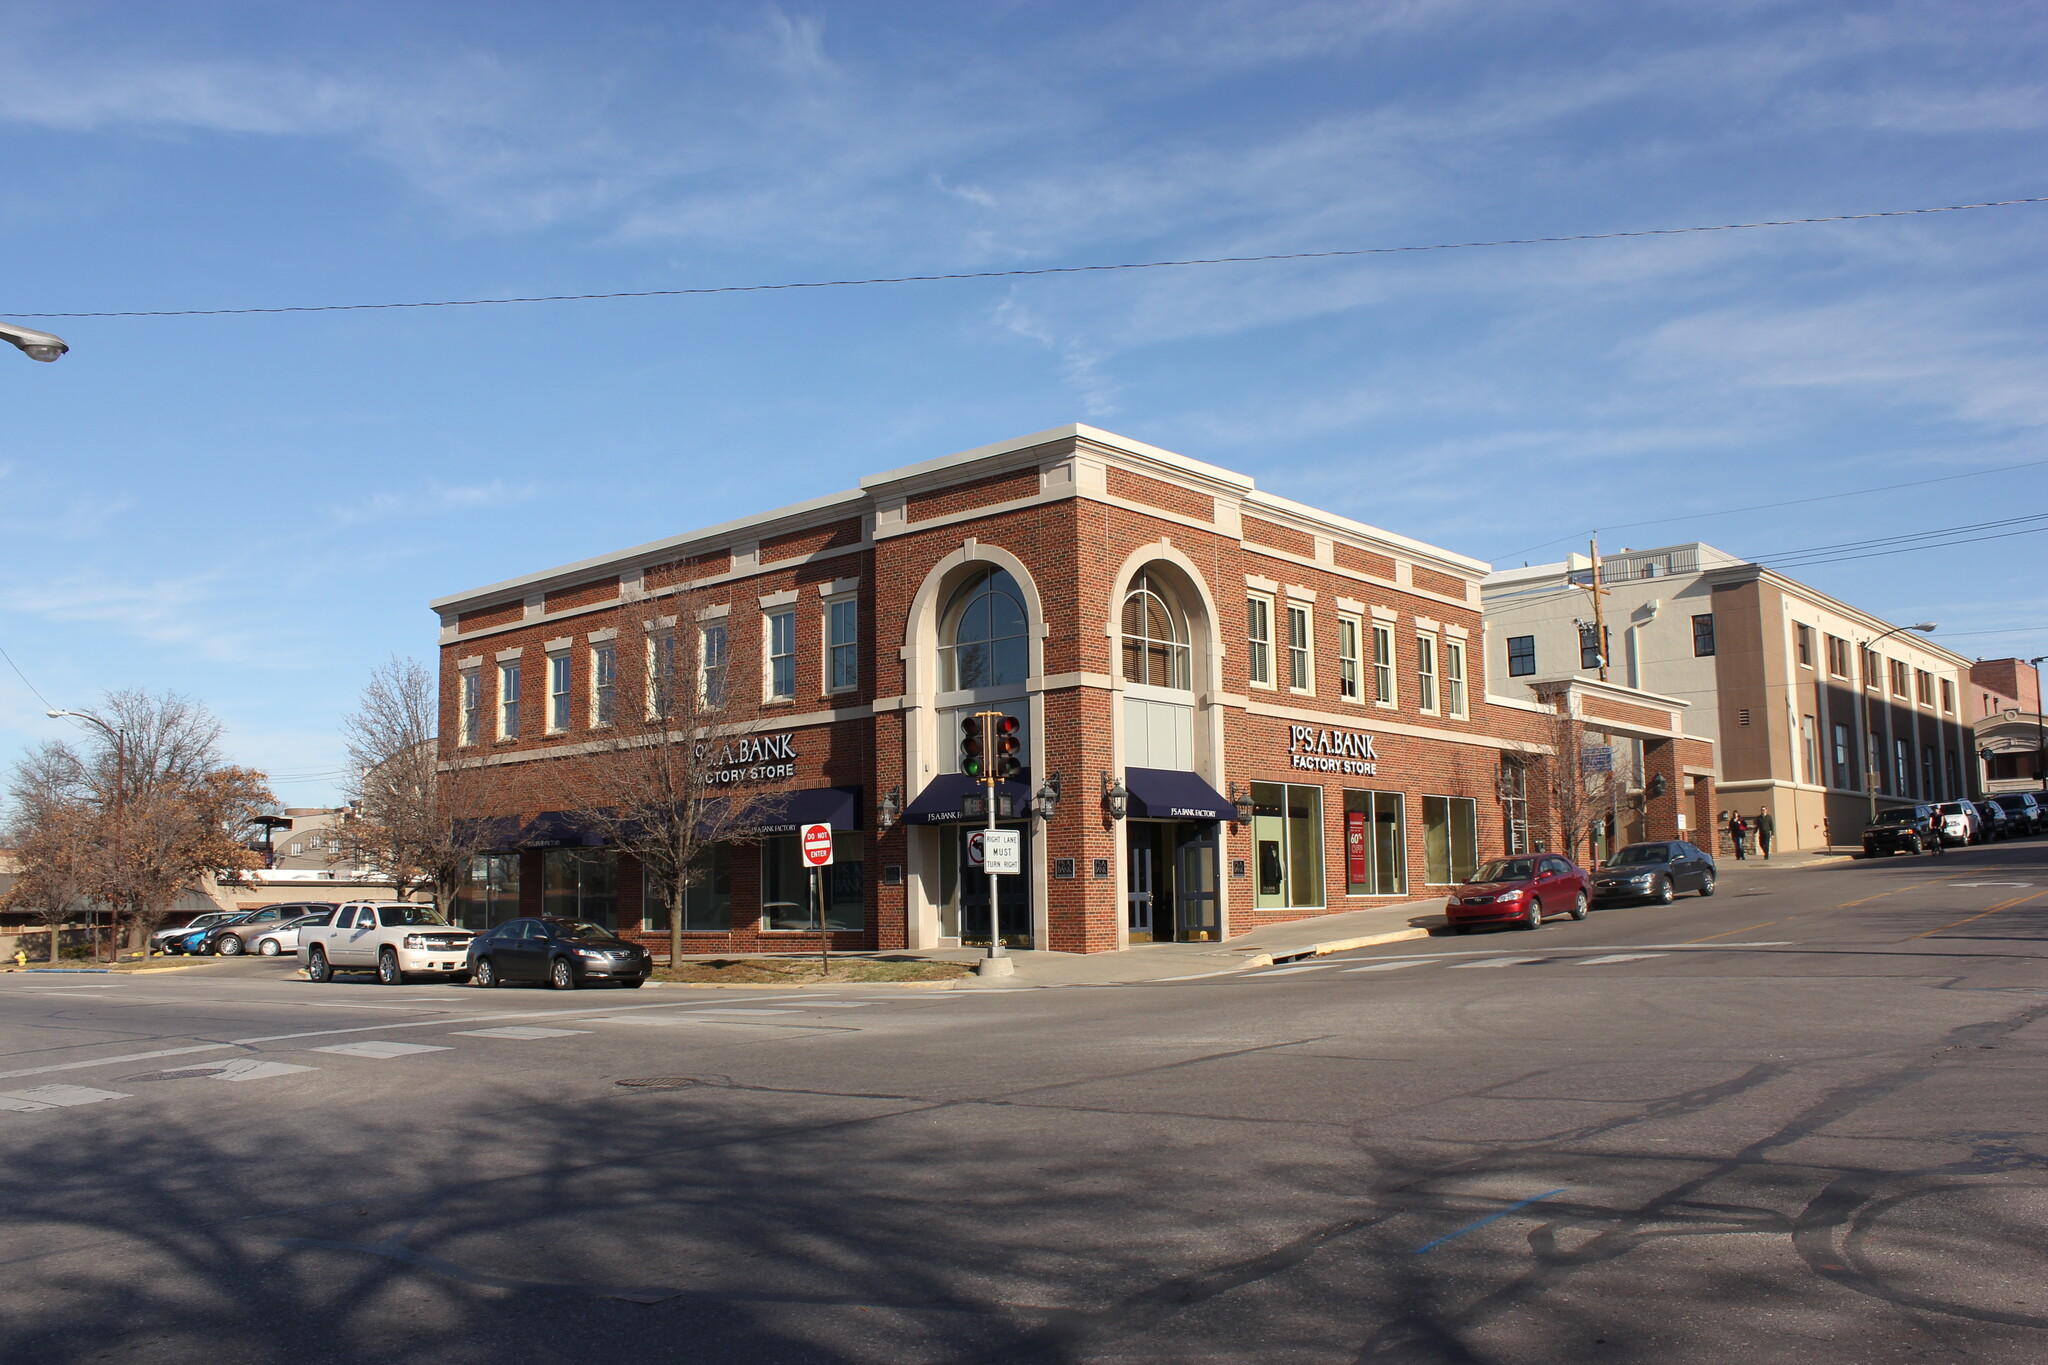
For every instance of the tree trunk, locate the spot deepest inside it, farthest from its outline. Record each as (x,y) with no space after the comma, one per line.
(56,935)
(675,922)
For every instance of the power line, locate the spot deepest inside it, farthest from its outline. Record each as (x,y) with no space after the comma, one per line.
(1042,270)
(1783,556)
(47,705)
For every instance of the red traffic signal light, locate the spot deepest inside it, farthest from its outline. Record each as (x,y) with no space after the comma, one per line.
(991,746)
(1008,748)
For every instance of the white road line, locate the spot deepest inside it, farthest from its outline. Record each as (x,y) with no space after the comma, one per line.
(55,1097)
(516,1031)
(654,1020)
(1499,962)
(1618,957)
(379,1049)
(1198,976)
(116,1061)
(1289,971)
(739,1009)
(250,1069)
(836,1005)
(1393,966)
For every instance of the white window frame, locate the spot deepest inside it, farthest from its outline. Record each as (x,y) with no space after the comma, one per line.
(561,690)
(1384,690)
(508,699)
(714,660)
(1301,648)
(1349,684)
(838,650)
(1427,699)
(604,684)
(1454,677)
(1258,630)
(471,707)
(776,664)
(661,650)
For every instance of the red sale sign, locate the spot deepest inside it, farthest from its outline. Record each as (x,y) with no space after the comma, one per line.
(817,845)
(1354,844)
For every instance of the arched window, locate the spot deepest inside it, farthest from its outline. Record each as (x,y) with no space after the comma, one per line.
(1155,638)
(982,635)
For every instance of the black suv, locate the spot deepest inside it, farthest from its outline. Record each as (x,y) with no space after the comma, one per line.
(1902,829)
(2024,810)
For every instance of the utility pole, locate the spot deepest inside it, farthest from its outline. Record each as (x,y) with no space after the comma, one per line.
(1599,611)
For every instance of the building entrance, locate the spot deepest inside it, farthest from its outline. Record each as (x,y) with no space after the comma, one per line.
(1173,881)
(1013,909)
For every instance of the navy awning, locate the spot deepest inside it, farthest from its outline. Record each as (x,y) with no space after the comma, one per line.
(560,829)
(496,832)
(1164,794)
(943,798)
(838,807)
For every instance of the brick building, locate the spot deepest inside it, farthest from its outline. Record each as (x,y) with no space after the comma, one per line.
(1234,709)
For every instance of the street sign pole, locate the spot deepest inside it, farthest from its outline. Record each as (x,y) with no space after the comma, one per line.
(815,842)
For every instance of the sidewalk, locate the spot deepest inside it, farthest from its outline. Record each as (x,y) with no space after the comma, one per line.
(1175,961)
(1812,857)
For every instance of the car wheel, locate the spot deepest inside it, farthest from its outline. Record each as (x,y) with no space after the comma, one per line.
(485,974)
(387,968)
(269,947)
(1707,885)
(231,945)
(317,966)
(1579,906)
(1534,919)
(1662,892)
(561,975)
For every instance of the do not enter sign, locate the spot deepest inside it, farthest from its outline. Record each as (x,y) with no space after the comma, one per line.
(817,845)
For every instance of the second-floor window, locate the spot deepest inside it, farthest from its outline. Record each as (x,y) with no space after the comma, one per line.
(1259,638)
(1924,682)
(1298,676)
(472,706)
(1838,656)
(1591,652)
(1454,678)
(842,645)
(711,652)
(604,679)
(1383,664)
(661,676)
(1347,658)
(781,655)
(558,691)
(1803,637)
(1898,668)
(508,701)
(1703,635)
(1425,672)
(1521,656)
(1948,695)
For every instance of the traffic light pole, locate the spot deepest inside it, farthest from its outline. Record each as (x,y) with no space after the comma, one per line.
(989,769)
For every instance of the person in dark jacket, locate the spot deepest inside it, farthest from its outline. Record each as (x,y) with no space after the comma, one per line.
(1737,832)
(1765,828)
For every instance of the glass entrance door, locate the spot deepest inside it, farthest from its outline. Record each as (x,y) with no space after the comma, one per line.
(1197,884)
(1144,890)
(1014,899)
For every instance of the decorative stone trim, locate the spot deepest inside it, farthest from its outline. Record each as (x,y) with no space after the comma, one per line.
(506,656)
(598,637)
(559,644)
(473,661)
(769,601)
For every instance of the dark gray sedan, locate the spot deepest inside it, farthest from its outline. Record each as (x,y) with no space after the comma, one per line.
(1654,872)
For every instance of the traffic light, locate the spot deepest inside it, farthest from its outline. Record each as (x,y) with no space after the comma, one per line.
(1008,748)
(991,747)
(973,746)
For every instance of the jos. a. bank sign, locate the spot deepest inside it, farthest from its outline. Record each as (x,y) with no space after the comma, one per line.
(760,758)
(1332,751)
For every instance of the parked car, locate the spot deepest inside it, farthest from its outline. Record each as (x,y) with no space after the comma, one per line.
(567,953)
(1997,824)
(1523,891)
(1899,829)
(1959,823)
(191,942)
(284,938)
(2024,811)
(396,939)
(237,936)
(160,941)
(1655,872)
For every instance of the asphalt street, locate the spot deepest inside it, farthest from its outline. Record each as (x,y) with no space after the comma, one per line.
(1800,1121)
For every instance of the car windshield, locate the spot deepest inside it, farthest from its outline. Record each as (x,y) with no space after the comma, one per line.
(1897,817)
(394,915)
(1951,808)
(2010,802)
(1636,855)
(577,928)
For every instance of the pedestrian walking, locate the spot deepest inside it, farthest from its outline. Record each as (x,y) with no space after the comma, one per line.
(1736,831)
(1765,828)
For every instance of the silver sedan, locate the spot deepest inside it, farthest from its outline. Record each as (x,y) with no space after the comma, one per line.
(278,938)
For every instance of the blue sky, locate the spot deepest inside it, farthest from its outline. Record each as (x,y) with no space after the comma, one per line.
(255,510)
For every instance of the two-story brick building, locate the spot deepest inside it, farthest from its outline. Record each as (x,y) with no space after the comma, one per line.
(1234,709)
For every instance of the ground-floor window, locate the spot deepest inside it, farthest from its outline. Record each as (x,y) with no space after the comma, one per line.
(580,883)
(1287,838)
(1450,838)
(786,885)
(1375,844)
(491,895)
(707,898)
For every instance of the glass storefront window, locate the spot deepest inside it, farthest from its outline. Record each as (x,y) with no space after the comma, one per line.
(786,885)
(1375,844)
(491,895)
(707,900)
(580,883)
(1450,838)
(1287,839)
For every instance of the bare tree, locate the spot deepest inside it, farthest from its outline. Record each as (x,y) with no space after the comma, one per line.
(1564,776)
(48,881)
(138,817)
(678,767)
(404,799)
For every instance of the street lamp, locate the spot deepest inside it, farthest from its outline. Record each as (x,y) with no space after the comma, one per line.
(1870,657)
(120,738)
(33,344)
(2040,729)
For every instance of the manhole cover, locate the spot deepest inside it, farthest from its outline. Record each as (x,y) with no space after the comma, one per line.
(658,1082)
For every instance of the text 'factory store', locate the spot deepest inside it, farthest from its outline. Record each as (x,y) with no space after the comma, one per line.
(1229,709)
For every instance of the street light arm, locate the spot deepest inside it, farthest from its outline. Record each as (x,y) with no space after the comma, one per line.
(33,344)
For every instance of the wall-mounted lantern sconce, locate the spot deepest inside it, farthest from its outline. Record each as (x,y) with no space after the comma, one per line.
(1241,799)
(1115,798)
(1048,797)
(890,809)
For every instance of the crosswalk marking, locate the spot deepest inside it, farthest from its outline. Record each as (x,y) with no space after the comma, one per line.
(741,1010)
(655,1019)
(835,1004)
(1392,966)
(54,1097)
(379,1049)
(519,1031)
(1497,962)
(1618,957)
(250,1069)
(1289,971)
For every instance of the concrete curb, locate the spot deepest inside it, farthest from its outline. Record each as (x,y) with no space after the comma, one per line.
(1335,945)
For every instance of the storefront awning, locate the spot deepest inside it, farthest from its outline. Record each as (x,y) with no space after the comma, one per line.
(561,829)
(1163,794)
(838,807)
(494,833)
(945,796)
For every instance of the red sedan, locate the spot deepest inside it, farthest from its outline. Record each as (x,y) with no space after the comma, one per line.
(1522,891)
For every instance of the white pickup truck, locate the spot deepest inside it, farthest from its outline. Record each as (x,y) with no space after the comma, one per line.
(396,939)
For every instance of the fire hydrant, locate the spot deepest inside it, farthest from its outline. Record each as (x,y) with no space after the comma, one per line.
(20,958)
